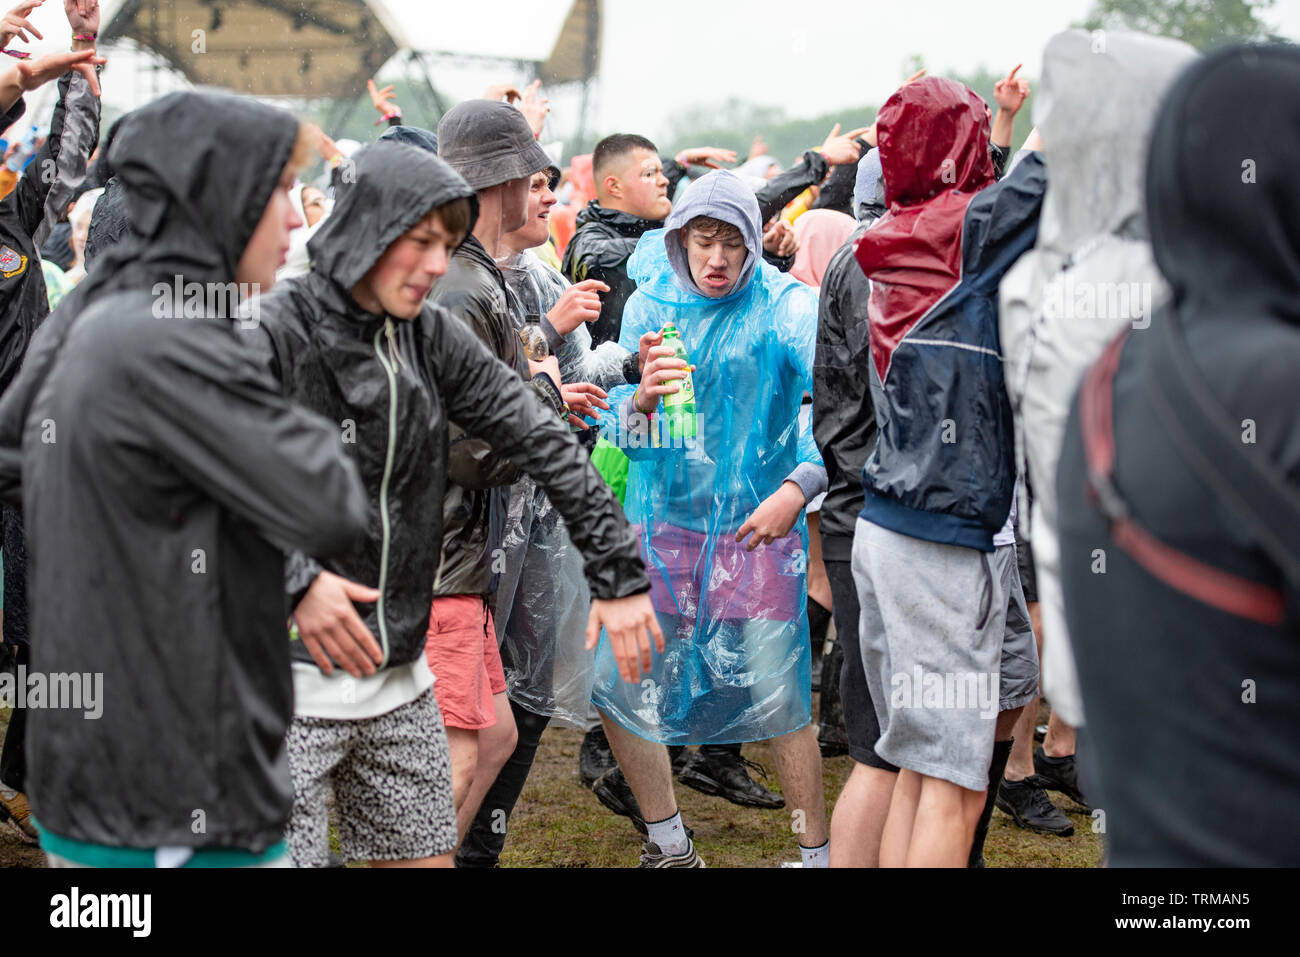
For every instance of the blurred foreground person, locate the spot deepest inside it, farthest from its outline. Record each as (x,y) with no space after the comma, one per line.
(1179,493)
(162,477)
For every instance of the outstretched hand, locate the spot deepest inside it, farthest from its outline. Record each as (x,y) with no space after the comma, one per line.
(16,24)
(534,106)
(780,240)
(382,100)
(631,625)
(774,517)
(710,156)
(34,73)
(1010,93)
(841,148)
(83,15)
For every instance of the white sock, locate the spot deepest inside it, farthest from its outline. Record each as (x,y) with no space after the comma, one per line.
(670,835)
(816,856)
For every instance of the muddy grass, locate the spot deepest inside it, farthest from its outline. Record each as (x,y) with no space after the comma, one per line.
(559,823)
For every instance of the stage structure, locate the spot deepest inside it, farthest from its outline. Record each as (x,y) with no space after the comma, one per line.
(327,49)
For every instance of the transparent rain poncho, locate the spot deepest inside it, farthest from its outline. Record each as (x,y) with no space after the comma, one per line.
(736,665)
(542,598)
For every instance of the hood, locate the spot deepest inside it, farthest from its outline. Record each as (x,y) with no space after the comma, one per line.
(1222,200)
(1095,105)
(934,137)
(821,232)
(617,220)
(396,186)
(197,169)
(722,195)
(869,188)
(413,136)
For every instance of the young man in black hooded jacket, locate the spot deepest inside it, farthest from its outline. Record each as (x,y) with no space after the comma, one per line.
(161,477)
(355,340)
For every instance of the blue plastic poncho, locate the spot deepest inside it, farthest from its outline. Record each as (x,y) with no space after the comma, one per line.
(736,665)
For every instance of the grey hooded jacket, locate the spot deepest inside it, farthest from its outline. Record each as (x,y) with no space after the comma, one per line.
(396,385)
(1090,273)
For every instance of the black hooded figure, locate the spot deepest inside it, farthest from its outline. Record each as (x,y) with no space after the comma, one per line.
(162,476)
(399,383)
(1193,707)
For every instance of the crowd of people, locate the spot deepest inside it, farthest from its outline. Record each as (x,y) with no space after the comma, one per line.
(350,487)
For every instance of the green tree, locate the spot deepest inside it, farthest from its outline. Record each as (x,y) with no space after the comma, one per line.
(1201,23)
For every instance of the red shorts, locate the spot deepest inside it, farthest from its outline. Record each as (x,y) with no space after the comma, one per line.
(461,648)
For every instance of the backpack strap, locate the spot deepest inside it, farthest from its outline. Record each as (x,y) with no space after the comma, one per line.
(1180,571)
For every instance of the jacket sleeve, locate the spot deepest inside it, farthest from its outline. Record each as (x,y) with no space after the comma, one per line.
(265,351)
(472,462)
(489,398)
(840,391)
(674,172)
(224,425)
(797,333)
(785,186)
(17,399)
(1002,222)
(60,164)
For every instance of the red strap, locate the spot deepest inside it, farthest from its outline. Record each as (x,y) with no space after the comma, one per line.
(1180,571)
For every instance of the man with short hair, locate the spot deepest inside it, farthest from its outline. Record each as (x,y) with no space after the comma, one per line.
(633,195)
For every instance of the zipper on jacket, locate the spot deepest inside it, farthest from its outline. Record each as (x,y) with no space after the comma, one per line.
(383,485)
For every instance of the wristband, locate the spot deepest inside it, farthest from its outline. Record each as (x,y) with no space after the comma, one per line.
(680,160)
(389,117)
(637,405)
(85,36)
(17,54)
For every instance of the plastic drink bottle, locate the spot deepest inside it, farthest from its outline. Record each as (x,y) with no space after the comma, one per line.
(679,406)
(534,339)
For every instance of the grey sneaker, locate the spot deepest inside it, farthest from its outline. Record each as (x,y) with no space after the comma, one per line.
(651,856)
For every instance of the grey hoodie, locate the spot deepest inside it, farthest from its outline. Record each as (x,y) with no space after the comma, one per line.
(1090,273)
(721,195)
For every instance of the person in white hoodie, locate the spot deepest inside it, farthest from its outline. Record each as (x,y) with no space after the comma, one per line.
(1090,273)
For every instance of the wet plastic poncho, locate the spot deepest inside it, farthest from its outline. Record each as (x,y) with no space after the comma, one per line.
(1090,274)
(736,660)
(542,598)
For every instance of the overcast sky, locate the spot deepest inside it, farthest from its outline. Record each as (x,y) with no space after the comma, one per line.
(662,58)
(659,58)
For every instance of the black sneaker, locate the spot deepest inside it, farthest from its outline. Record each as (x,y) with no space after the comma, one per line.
(613,791)
(1059,774)
(724,775)
(594,757)
(680,757)
(1032,809)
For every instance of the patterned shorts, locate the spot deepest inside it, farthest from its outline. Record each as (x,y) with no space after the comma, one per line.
(391,780)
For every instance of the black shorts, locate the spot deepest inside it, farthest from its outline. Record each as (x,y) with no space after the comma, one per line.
(1025,562)
(859,712)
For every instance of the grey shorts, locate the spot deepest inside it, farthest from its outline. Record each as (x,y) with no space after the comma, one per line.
(1019,682)
(391,780)
(932,625)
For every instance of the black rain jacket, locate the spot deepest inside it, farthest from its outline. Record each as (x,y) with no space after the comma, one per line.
(162,478)
(844,419)
(474,290)
(393,386)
